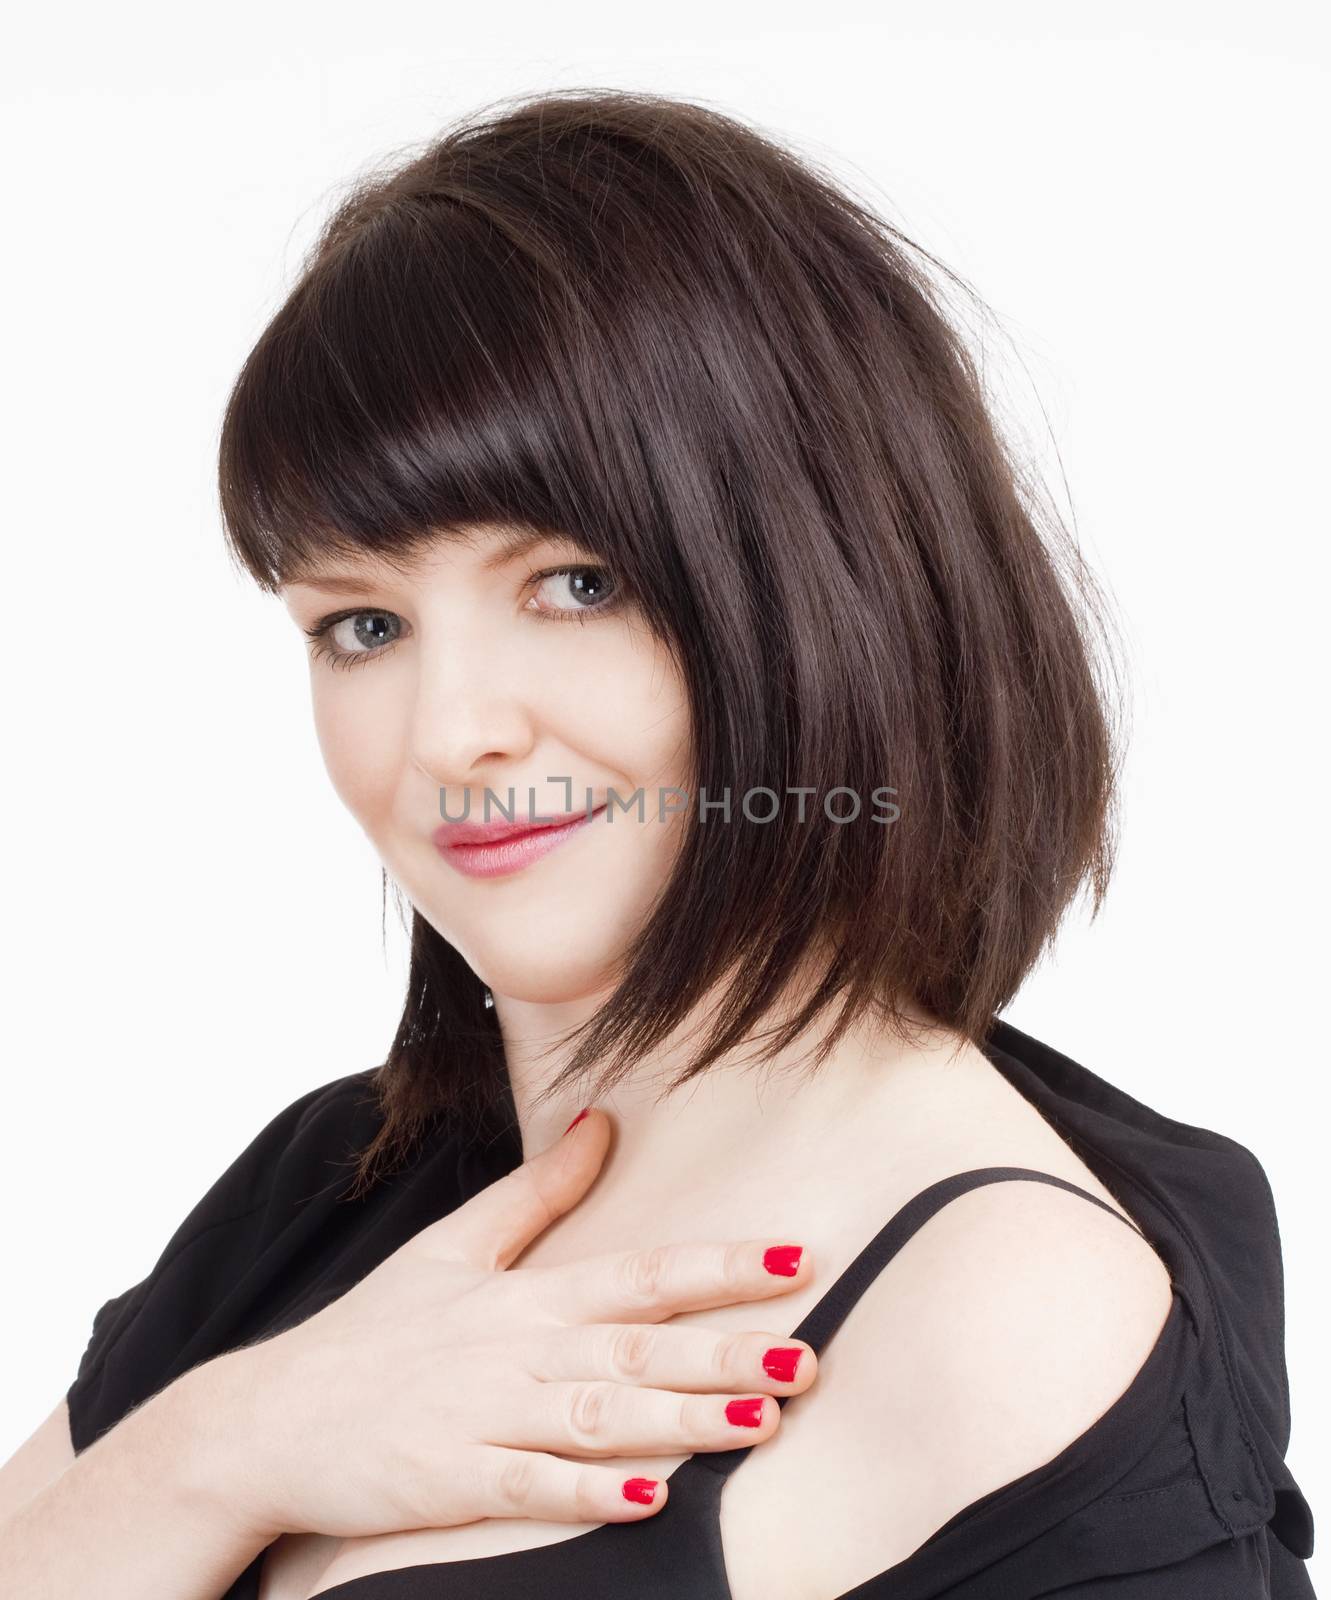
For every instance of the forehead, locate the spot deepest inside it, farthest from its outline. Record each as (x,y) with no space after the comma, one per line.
(339,568)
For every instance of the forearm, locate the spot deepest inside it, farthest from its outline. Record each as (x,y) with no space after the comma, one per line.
(152,1511)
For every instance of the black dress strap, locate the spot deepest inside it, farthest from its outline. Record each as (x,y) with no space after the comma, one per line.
(834,1307)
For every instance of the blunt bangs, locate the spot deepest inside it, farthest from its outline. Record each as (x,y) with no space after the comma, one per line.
(420,379)
(638,323)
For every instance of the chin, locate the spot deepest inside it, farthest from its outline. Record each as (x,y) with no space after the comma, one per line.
(545,952)
(543,977)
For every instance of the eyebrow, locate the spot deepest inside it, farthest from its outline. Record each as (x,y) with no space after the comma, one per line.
(508,543)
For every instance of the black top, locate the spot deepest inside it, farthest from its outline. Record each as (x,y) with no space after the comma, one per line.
(1180,1491)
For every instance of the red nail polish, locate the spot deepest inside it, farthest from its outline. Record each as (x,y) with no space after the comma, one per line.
(745,1413)
(569,1129)
(783,1259)
(780,1363)
(641,1490)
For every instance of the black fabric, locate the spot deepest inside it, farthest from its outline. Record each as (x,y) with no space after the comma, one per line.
(1180,1489)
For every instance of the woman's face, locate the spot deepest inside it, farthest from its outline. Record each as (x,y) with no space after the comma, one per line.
(517,670)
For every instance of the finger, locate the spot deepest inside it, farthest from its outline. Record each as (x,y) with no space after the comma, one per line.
(652,1285)
(676,1357)
(495,1226)
(529,1483)
(595,1417)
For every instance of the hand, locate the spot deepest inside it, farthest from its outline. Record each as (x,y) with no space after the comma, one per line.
(433,1392)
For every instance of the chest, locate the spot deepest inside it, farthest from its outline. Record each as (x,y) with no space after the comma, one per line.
(818,1509)
(830,1500)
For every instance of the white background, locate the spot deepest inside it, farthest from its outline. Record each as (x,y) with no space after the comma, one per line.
(193,923)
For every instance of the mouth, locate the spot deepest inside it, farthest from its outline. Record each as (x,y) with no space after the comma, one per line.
(494,849)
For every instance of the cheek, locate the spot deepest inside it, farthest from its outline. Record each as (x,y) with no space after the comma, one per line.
(359,741)
(639,726)
(644,738)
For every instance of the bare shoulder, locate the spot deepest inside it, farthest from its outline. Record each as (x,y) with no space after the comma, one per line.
(1024,1314)
(37,1462)
(1001,1332)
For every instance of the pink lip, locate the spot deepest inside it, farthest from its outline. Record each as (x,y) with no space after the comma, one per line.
(491,849)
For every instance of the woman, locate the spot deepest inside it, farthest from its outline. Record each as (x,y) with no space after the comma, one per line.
(748,861)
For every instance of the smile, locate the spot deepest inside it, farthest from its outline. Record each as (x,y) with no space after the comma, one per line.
(514,849)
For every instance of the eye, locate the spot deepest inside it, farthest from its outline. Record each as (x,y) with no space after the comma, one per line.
(573,594)
(349,638)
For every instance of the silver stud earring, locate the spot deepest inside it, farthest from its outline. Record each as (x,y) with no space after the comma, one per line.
(489,1001)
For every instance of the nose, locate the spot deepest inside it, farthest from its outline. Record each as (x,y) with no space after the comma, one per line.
(472,720)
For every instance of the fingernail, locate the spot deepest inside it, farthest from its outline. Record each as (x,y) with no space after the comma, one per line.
(780,1363)
(643,1490)
(783,1259)
(745,1413)
(569,1129)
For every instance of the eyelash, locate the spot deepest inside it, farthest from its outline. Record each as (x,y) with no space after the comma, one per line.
(318,634)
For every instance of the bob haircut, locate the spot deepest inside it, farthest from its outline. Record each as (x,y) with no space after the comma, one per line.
(638,323)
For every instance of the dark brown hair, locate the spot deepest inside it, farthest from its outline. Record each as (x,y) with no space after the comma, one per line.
(640,323)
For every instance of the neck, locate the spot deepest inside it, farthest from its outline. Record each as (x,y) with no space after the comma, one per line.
(737,1114)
